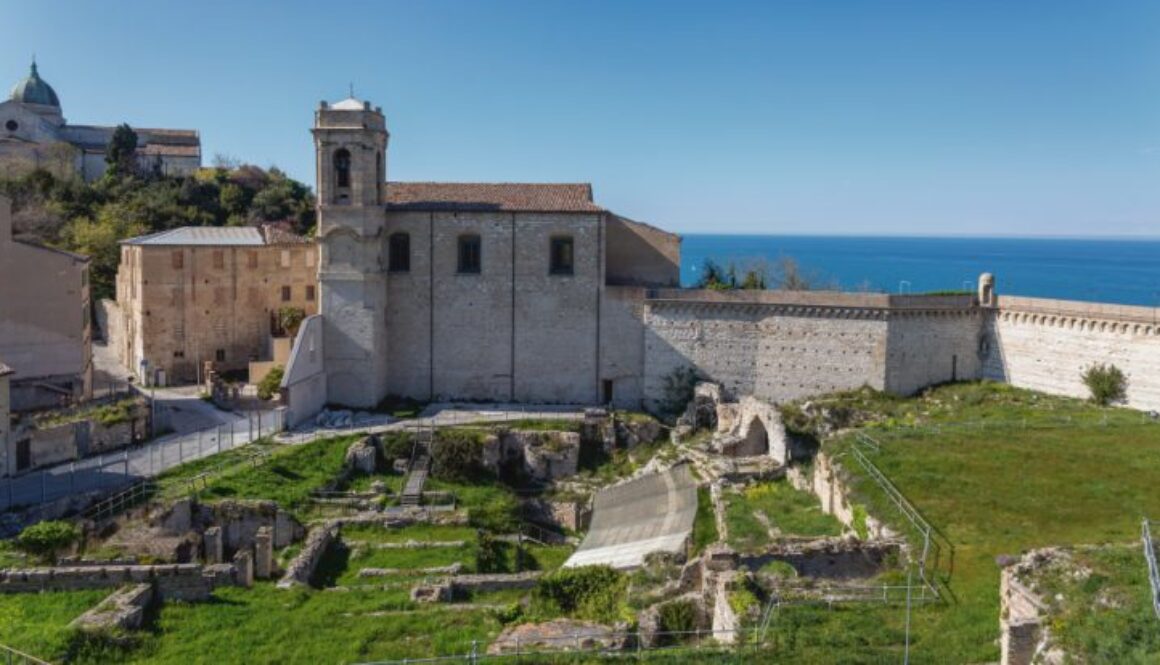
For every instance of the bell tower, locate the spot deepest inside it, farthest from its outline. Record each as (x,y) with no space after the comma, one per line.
(350,143)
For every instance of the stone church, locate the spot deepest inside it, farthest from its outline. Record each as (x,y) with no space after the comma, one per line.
(476,291)
(34,134)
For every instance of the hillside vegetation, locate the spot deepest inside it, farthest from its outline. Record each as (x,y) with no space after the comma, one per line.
(90,218)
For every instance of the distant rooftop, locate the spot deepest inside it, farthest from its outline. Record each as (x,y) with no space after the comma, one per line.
(486,197)
(221,236)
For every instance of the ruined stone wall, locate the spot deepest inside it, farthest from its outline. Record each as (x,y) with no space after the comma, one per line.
(179,581)
(1046,345)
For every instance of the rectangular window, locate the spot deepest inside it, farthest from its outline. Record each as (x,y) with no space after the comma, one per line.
(252,259)
(561,256)
(400,253)
(470,260)
(310,257)
(219,259)
(178,259)
(220,355)
(310,292)
(285,294)
(219,295)
(285,258)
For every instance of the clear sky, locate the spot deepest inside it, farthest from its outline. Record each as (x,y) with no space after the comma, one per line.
(927,117)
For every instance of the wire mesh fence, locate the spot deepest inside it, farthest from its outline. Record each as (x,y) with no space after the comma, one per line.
(125,467)
(1153,569)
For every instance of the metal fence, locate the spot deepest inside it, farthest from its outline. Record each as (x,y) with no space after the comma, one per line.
(110,471)
(1153,569)
(705,645)
(11,656)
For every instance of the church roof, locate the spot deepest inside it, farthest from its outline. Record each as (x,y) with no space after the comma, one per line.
(34,90)
(490,197)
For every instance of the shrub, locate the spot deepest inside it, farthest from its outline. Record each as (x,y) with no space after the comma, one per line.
(397,444)
(678,390)
(46,540)
(679,616)
(860,522)
(1106,383)
(271,383)
(593,593)
(290,318)
(457,455)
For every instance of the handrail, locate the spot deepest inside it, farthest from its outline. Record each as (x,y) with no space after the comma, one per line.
(8,653)
(1153,569)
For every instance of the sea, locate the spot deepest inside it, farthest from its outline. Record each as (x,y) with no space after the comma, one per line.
(1123,271)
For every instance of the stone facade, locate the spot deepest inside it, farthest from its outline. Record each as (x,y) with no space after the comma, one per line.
(518,319)
(45,328)
(192,295)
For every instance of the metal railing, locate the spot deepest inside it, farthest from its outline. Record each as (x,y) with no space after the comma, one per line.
(584,647)
(120,502)
(12,656)
(906,508)
(125,467)
(1153,569)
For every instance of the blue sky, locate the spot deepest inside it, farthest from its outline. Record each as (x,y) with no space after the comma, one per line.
(927,117)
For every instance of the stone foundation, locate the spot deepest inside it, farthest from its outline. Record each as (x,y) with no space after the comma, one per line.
(302,567)
(124,609)
(182,581)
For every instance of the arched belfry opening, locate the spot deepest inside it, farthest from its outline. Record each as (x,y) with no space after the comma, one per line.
(342,175)
(756,439)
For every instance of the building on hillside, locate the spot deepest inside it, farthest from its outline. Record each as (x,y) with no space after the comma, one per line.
(481,291)
(44,321)
(196,294)
(34,133)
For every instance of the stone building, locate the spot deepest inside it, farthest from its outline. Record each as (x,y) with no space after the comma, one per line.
(196,294)
(34,133)
(45,317)
(479,291)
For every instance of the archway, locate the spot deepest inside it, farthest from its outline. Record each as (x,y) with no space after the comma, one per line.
(756,439)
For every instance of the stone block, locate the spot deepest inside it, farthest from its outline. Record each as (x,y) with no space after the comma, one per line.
(244,569)
(264,553)
(212,541)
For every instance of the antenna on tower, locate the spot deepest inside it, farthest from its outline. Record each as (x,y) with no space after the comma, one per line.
(352,90)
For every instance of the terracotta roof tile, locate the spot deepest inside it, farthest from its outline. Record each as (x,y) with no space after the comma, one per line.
(488,197)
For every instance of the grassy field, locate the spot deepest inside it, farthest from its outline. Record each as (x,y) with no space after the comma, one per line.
(1017,477)
(790,511)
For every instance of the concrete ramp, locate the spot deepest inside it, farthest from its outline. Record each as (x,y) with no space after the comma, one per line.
(653,513)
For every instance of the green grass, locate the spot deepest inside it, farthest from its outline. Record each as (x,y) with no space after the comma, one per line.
(373,533)
(791,511)
(37,623)
(288,477)
(1002,490)
(704,524)
(176,481)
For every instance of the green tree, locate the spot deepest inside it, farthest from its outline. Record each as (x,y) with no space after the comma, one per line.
(46,540)
(271,383)
(121,153)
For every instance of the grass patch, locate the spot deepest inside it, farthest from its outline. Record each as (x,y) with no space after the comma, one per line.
(704,524)
(789,510)
(37,623)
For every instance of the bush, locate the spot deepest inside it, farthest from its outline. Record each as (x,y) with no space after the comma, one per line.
(593,593)
(397,445)
(46,540)
(1106,383)
(679,616)
(457,455)
(678,391)
(271,383)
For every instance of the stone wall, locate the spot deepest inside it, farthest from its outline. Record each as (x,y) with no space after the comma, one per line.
(824,479)
(1046,345)
(1021,622)
(304,380)
(180,581)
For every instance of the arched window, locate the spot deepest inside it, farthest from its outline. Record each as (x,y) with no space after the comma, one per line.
(399,256)
(342,168)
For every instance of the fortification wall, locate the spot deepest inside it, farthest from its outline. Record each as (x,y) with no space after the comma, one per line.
(1045,345)
(775,352)
(930,346)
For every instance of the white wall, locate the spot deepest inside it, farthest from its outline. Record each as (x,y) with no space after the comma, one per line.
(304,380)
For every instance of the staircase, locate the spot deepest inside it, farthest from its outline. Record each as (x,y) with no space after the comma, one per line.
(420,465)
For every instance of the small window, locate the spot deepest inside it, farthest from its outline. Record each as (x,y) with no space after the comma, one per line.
(561,256)
(178,259)
(219,259)
(342,168)
(285,294)
(220,355)
(310,257)
(252,259)
(310,292)
(179,354)
(400,252)
(285,258)
(469,254)
(12,125)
